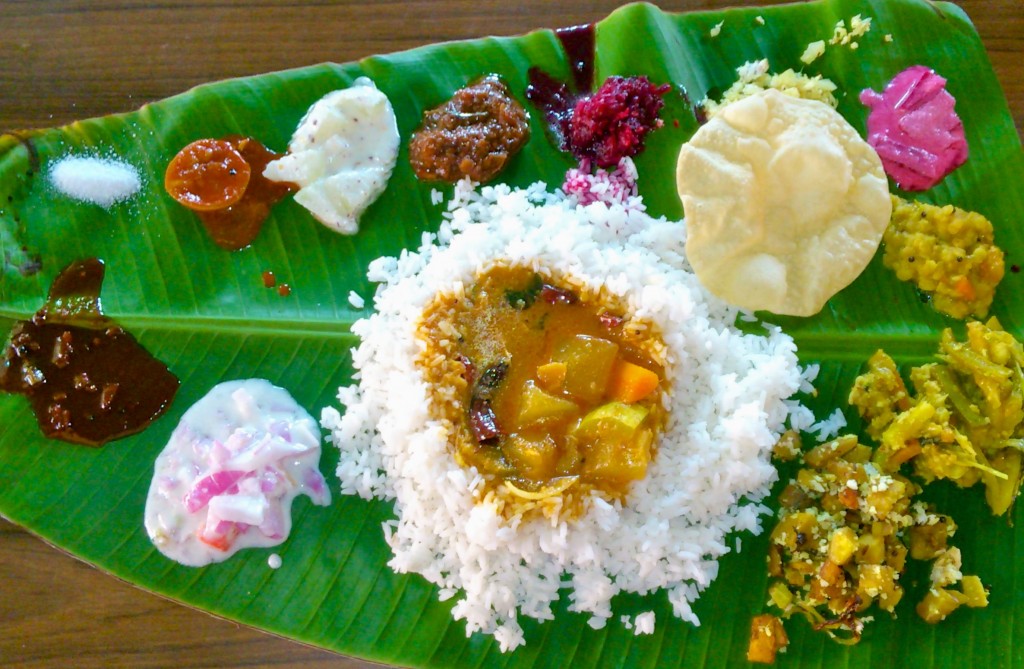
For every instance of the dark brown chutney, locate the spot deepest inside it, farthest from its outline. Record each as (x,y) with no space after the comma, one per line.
(222,181)
(557,98)
(474,134)
(89,381)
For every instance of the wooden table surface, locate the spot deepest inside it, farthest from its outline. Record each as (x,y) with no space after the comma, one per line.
(69,59)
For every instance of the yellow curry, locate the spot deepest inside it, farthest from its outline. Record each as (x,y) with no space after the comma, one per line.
(546,388)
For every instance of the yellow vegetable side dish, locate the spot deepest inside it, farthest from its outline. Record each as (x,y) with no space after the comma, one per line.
(849,520)
(965,420)
(845,531)
(548,391)
(948,253)
(767,638)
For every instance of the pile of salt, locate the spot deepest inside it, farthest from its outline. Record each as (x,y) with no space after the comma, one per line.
(100,181)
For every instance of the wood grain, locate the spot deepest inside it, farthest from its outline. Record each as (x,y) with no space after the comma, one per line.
(69,59)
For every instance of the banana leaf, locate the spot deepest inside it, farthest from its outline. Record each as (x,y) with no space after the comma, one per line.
(207,315)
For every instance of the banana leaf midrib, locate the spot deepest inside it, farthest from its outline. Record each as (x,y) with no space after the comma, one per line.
(296,327)
(908,347)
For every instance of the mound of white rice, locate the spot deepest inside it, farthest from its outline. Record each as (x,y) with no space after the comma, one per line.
(712,464)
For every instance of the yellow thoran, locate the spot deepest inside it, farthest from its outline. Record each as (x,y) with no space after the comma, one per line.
(948,253)
(965,420)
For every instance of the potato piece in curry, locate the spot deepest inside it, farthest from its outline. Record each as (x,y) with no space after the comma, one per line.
(549,391)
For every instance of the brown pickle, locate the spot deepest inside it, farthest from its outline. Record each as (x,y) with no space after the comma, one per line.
(474,134)
(88,381)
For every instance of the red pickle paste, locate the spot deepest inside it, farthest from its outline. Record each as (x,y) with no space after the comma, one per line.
(222,181)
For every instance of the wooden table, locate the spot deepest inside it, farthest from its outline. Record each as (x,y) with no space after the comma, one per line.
(63,60)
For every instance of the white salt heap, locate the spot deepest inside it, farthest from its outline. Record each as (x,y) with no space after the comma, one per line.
(101,181)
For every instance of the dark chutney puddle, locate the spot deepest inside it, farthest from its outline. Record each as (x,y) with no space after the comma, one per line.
(88,381)
(579,45)
(554,97)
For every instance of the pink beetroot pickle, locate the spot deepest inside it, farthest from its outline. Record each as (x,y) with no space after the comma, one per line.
(611,124)
(915,129)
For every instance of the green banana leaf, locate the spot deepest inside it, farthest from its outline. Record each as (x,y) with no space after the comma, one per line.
(207,315)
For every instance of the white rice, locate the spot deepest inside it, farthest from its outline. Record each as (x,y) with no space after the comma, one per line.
(644,623)
(830,427)
(356,300)
(712,468)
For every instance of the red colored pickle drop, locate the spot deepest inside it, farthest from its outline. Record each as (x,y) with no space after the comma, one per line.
(284,290)
(914,127)
(88,381)
(269,280)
